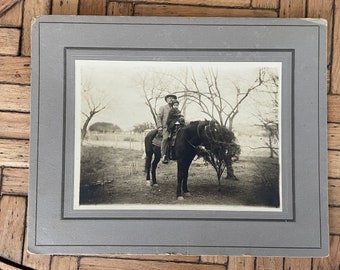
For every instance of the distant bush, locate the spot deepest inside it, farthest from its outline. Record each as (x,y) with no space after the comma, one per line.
(104,127)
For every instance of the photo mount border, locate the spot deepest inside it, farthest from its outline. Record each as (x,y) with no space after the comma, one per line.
(49,233)
(285,57)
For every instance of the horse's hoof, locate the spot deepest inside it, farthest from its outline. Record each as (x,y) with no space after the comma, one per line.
(180,198)
(187,194)
(148,183)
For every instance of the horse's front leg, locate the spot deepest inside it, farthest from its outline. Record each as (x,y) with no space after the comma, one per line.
(179,181)
(148,159)
(182,179)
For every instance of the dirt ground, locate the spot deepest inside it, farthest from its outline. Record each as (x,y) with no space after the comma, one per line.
(116,176)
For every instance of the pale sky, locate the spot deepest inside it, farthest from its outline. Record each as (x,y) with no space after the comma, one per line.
(121,83)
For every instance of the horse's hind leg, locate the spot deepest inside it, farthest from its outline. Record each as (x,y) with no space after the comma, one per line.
(154,167)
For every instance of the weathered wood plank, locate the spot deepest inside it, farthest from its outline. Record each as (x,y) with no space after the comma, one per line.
(334,217)
(214,259)
(215,3)
(293,9)
(4,266)
(241,263)
(172,10)
(96,263)
(334,164)
(92,7)
(32,9)
(64,262)
(169,258)
(323,9)
(266,263)
(13,16)
(15,98)
(14,125)
(333,107)
(334,136)
(270,4)
(298,263)
(15,181)
(9,41)
(336,51)
(14,153)
(12,224)
(334,192)
(119,9)
(65,7)
(36,261)
(333,260)
(6,5)
(15,70)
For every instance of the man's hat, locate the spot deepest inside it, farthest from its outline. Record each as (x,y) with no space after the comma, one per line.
(171,95)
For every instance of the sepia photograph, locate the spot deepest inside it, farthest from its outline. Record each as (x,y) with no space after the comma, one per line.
(177,135)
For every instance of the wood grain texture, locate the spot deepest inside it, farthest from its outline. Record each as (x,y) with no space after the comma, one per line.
(13,16)
(298,263)
(4,266)
(12,224)
(333,108)
(169,258)
(197,11)
(65,7)
(215,259)
(32,9)
(241,263)
(120,9)
(64,262)
(36,261)
(270,4)
(293,9)
(15,98)
(15,70)
(323,9)
(334,192)
(334,217)
(266,263)
(6,5)
(14,153)
(333,136)
(96,263)
(15,93)
(333,260)
(92,7)
(336,50)
(333,164)
(14,181)
(14,125)
(215,3)
(9,41)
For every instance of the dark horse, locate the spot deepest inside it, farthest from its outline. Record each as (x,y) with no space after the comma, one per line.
(191,140)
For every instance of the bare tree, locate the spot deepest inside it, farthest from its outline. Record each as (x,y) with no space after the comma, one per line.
(211,98)
(270,120)
(92,104)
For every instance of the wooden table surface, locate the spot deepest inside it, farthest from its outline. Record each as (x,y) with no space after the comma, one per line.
(15,21)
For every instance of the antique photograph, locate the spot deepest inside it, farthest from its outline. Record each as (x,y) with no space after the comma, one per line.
(177,135)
